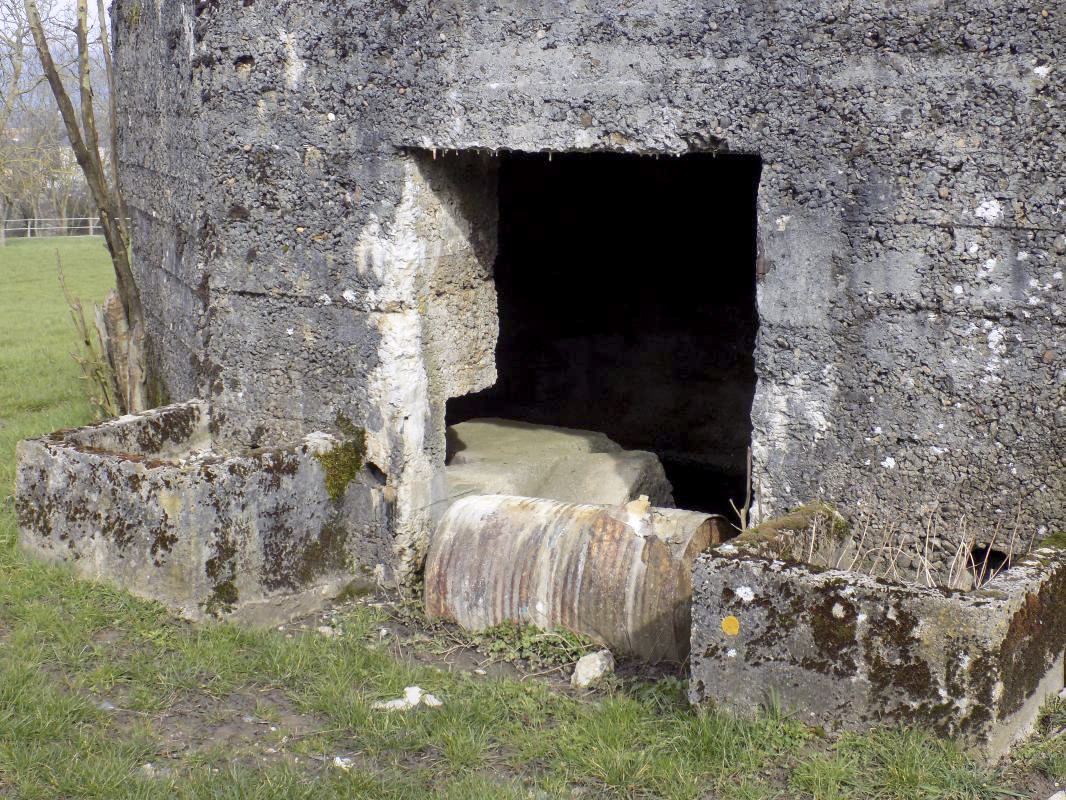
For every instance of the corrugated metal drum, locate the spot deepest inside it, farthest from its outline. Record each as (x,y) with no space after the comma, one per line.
(620,575)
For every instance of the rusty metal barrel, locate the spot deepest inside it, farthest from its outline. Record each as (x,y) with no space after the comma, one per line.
(621,575)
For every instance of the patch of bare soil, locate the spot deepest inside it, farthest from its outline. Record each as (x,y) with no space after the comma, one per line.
(231,728)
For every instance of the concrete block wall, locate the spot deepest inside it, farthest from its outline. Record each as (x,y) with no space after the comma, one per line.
(911,298)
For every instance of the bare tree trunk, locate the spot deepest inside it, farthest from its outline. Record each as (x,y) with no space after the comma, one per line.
(126,343)
(109,69)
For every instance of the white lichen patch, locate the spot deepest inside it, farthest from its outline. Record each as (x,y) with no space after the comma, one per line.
(989,210)
(295,67)
(745,593)
(319,442)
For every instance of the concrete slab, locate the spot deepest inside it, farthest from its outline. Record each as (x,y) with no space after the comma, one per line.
(498,456)
(842,649)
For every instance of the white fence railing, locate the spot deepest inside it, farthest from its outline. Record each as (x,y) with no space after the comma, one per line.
(33,228)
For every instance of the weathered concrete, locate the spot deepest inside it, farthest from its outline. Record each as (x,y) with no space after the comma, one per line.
(498,456)
(299,259)
(843,649)
(259,535)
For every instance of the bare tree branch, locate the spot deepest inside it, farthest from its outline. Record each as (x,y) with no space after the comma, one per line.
(84,140)
(109,70)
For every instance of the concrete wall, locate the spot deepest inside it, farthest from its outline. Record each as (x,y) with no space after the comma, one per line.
(912,298)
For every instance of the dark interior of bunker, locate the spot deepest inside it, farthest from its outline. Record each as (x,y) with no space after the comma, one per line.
(627,305)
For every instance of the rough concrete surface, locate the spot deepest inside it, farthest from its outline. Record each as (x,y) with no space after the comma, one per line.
(844,649)
(302,254)
(259,535)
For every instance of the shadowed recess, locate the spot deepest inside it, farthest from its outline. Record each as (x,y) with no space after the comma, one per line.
(627,305)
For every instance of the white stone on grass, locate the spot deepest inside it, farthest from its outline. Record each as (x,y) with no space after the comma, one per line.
(592,669)
(413,696)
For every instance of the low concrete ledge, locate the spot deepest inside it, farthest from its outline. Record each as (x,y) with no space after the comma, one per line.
(842,649)
(143,501)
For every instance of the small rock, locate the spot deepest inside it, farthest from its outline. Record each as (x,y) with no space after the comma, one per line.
(148,770)
(413,696)
(342,762)
(431,700)
(639,507)
(327,631)
(104,705)
(592,669)
(480,671)
(1060,795)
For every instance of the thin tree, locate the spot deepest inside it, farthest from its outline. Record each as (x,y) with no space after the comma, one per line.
(124,320)
(14,45)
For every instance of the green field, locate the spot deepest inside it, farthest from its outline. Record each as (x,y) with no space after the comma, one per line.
(105,696)
(40,385)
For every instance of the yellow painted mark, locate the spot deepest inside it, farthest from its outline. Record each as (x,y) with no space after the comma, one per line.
(731,626)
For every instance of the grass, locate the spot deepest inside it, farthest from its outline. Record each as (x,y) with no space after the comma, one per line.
(106,696)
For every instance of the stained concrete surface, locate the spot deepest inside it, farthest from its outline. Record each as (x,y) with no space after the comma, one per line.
(313,200)
(843,649)
(259,536)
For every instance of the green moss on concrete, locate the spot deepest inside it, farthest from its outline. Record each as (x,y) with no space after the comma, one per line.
(223,599)
(343,462)
(1056,539)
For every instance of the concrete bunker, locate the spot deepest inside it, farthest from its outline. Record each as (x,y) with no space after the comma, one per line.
(626,298)
(303,257)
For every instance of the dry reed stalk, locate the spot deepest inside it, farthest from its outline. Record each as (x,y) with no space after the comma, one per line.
(95,369)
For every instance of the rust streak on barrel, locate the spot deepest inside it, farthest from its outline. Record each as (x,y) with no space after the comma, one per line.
(621,577)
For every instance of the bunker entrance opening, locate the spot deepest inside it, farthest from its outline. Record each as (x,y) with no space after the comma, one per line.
(626,291)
